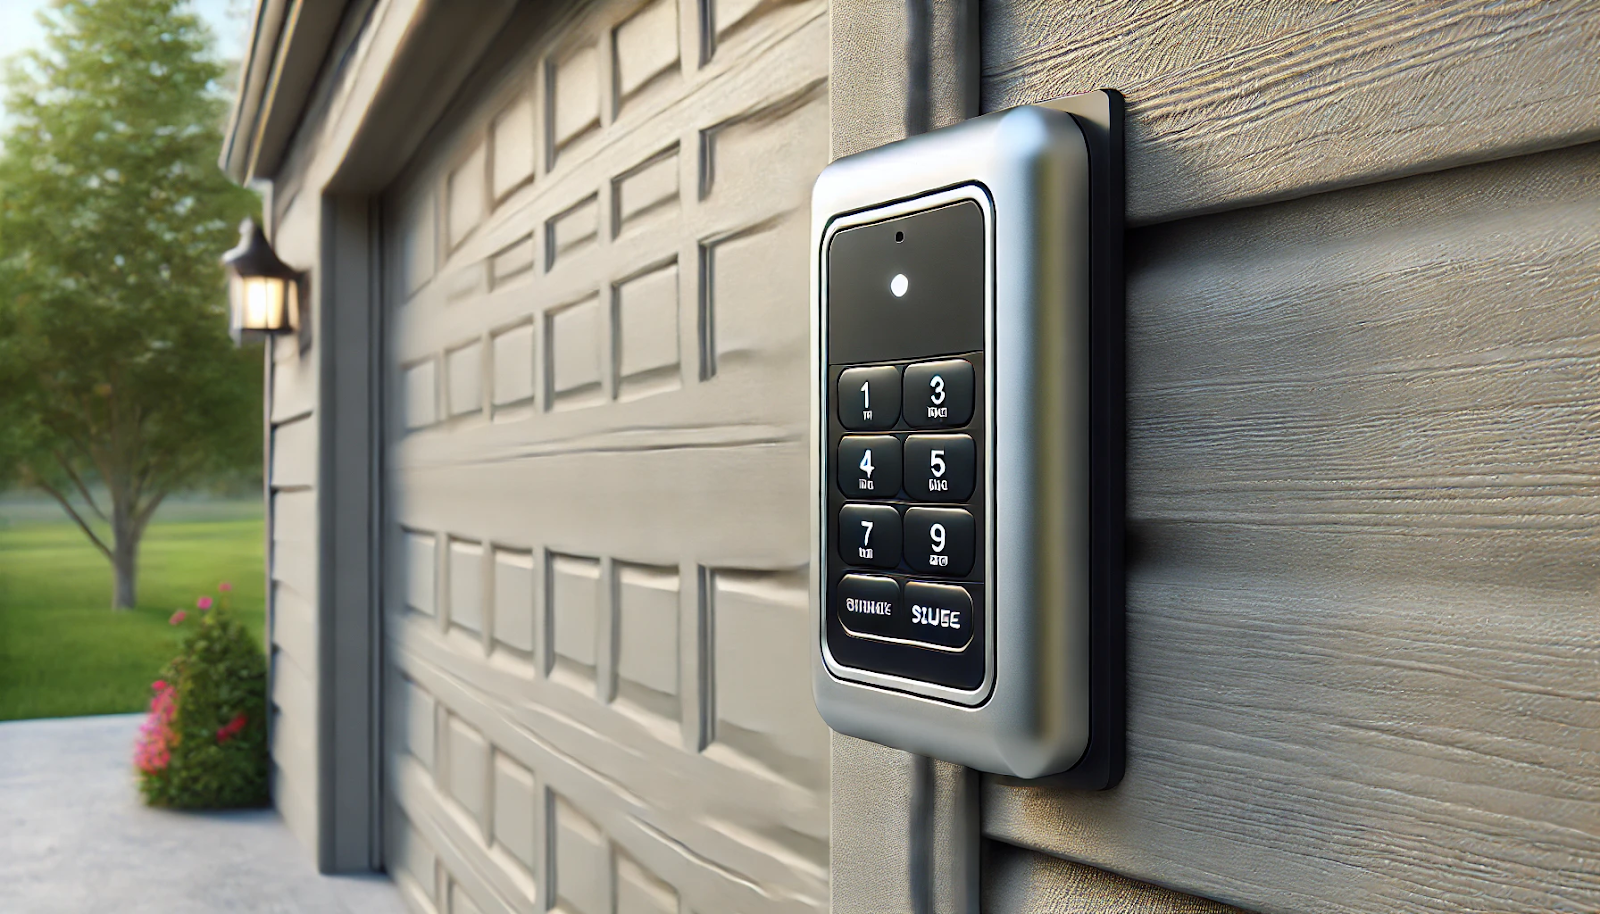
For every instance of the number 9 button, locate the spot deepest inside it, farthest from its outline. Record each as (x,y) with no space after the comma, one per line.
(939,540)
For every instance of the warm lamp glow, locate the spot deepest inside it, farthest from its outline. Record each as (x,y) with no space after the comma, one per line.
(263,291)
(264,304)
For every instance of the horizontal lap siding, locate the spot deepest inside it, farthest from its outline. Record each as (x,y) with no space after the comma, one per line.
(1363,460)
(1234,102)
(1017,879)
(292,572)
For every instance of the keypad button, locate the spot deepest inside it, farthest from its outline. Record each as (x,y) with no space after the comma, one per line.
(940,467)
(869,398)
(869,466)
(938,394)
(870,535)
(940,615)
(940,540)
(870,605)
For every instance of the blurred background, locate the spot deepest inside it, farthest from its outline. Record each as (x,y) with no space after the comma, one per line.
(65,648)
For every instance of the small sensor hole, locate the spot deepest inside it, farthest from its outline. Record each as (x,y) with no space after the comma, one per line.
(899,237)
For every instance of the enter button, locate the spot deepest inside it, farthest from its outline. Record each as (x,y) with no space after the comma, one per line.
(941,615)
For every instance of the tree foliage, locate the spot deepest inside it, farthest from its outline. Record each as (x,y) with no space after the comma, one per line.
(116,371)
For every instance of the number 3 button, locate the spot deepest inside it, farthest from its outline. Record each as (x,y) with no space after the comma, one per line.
(939,540)
(940,467)
(938,394)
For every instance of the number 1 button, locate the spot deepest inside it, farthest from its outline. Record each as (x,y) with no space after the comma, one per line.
(869,398)
(869,466)
(869,535)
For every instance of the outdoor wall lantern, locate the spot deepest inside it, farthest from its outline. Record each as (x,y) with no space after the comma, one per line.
(263,291)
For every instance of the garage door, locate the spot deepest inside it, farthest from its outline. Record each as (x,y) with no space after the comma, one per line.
(598,689)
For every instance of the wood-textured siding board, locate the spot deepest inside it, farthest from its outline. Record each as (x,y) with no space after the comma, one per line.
(294,626)
(1364,471)
(294,379)
(1233,102)
(1020,881)
(294,454)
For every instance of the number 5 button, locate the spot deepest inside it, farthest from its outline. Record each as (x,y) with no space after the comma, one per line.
(940,540)
(869,466)
(940,467)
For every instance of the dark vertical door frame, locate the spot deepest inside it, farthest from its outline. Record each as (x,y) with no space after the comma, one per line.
(350,610)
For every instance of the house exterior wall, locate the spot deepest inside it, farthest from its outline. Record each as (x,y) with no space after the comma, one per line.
(1362,350)
(1363,425)
(293,568)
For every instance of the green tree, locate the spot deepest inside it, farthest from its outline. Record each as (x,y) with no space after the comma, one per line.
(118,381)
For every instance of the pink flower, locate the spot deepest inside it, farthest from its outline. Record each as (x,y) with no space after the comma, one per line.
(153,751)
(159,684)
(224,587)
(203,602)
(231,729)
(177,617)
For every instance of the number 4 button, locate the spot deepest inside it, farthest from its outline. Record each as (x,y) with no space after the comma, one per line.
(869,466)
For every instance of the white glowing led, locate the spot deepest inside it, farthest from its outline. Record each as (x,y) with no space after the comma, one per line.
(899,284)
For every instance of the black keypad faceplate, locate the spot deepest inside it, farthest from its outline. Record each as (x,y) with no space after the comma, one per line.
(907,378)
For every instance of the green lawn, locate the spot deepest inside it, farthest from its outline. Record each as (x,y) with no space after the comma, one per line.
(63,651)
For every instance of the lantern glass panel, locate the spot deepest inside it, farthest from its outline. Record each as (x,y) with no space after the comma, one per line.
(264,303)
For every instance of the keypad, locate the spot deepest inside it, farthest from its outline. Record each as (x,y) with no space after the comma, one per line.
(907,517)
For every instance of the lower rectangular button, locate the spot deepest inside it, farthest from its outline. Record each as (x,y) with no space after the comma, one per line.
(941,615)
(870,605)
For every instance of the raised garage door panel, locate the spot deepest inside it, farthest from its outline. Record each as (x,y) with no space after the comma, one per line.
(598,695)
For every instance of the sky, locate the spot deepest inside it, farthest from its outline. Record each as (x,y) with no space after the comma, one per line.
(19,30)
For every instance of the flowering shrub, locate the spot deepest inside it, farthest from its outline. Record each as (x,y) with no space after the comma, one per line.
(204,744)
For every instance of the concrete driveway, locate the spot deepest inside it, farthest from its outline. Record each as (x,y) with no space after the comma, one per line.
(75,838)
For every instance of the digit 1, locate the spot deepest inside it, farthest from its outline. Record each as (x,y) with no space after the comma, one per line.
(866,394)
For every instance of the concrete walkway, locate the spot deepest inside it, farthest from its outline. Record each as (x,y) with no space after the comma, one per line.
(75,838)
